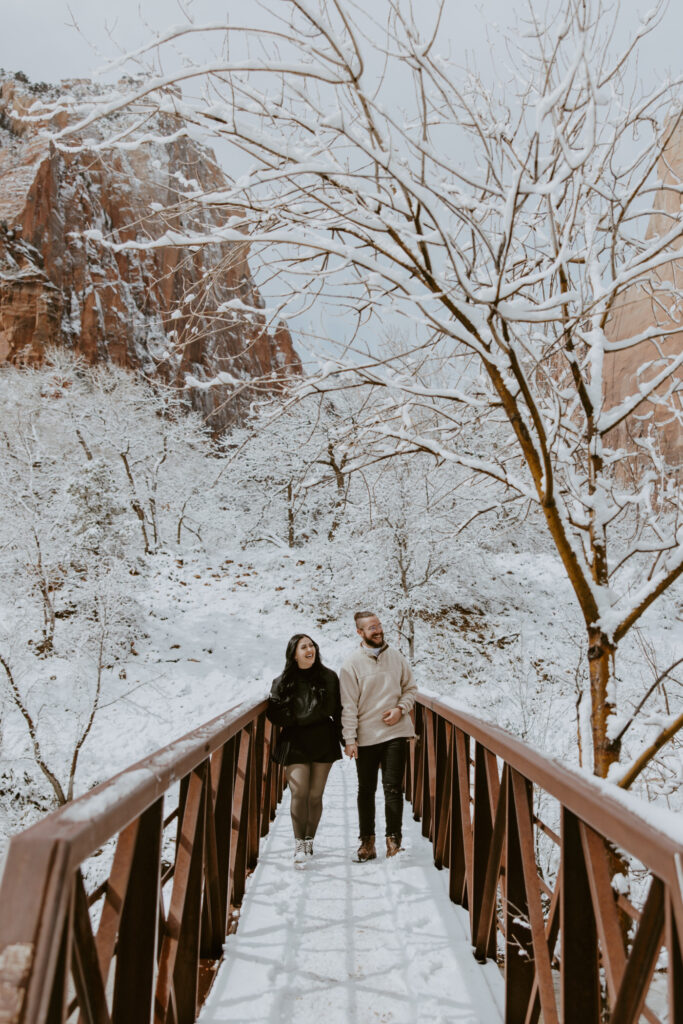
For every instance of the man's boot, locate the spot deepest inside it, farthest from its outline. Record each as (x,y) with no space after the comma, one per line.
(366,850)
(393,845)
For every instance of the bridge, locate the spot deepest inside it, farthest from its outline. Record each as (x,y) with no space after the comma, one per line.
(128,905)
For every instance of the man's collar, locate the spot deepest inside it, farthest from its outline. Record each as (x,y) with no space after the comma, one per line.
(371,650)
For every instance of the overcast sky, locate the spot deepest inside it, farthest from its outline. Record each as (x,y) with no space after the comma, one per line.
(38,36)
(50,40)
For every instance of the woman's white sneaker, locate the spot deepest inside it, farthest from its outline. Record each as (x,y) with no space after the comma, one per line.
(299,853)
(308,844)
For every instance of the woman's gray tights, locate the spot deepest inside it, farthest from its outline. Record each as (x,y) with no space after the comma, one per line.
(306,784)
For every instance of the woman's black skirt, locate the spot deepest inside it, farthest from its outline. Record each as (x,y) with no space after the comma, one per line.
(301,744)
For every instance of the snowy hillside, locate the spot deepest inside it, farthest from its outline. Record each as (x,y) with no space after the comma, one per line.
(117,639)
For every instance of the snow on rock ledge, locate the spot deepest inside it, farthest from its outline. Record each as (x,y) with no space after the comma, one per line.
(163,311)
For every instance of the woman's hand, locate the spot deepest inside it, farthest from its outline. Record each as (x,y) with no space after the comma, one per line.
(392,716)
(351,750)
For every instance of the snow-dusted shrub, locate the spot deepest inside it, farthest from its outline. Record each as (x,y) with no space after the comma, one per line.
(280,482)
(95,468)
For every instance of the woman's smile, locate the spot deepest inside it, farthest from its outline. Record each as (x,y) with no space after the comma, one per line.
(305,652)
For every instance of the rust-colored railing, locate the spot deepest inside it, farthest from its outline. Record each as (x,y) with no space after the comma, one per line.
(539,892)
(558,927)
(165,905)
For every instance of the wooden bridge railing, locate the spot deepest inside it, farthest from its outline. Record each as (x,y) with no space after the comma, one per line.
(558,932)
(173,876)
(164,907)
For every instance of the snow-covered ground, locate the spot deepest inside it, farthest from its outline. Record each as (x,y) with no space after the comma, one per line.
(350,943)
(216,634)
(215,631)
(340,941)
(158,624)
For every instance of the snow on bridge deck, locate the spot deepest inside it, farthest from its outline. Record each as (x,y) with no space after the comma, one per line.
(349,943)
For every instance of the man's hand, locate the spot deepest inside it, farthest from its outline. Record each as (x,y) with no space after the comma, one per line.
(392,717)
(351,750)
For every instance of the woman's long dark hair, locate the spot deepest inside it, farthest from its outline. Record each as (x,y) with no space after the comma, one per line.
(291,668)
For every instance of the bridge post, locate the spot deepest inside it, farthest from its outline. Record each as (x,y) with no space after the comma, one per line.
(139,925)
(240,819)
(580,980)
(641,963)
(485,935)
(56,1011)
(186,921)
(519,955)
(220,815)
(675,980)
(445,752)
(85,968)
(461,867)
(482,835)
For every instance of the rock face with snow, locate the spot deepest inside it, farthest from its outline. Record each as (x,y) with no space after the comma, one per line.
(166,312)
(637,310)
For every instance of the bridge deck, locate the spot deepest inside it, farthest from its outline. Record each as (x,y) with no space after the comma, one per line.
(350,943)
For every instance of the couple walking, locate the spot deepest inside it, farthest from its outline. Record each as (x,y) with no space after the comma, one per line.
(368,708)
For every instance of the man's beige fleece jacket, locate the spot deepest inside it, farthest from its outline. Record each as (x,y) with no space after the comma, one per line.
(370,686)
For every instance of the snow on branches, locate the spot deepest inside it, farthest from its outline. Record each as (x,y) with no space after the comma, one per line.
(96,472)
(506,223)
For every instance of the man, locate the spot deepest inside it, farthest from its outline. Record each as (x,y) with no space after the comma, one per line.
(377,694)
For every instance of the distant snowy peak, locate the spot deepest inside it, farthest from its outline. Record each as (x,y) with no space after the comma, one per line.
(66,280)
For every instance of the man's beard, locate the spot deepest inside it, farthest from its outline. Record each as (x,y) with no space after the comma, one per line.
(374,643)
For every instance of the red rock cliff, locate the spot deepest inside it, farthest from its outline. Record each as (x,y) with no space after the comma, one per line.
(638,310)
(157,311)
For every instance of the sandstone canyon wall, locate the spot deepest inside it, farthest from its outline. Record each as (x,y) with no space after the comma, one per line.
(162,311)
(637,310)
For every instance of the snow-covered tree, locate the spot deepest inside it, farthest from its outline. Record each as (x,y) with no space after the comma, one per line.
(410,535)
(504,221)
(94,470)
(152,445)
(285,478)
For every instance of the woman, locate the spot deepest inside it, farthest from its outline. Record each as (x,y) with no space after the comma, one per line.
(304,699)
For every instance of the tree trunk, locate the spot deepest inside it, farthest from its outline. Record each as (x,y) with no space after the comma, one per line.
(601,668)
(135,503)
(411,637)
(340,499)
(290,515)
(31,726)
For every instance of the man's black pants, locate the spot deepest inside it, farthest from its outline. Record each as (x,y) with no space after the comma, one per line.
(391,756)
